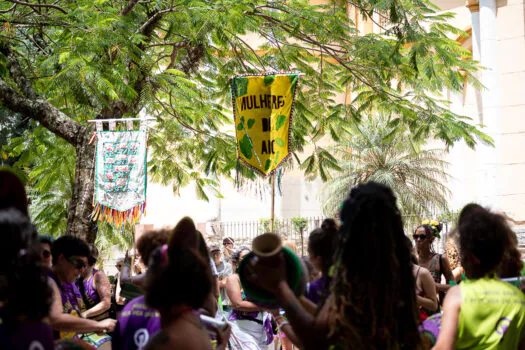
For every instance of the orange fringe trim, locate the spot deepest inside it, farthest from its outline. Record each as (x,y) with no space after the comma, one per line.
(118,218)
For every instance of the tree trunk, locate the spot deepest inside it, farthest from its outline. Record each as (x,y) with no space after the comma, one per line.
(79,223)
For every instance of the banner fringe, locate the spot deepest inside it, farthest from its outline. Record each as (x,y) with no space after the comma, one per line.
(132,216)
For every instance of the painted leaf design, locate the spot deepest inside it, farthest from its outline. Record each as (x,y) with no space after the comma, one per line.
(267,165)
(293,80)
(276,160)
(246,147)
(279,141)
(239,126)
(280,122)
(250,123)
(268,79)
(241,85)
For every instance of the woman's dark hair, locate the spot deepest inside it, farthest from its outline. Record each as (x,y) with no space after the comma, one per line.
(236,254)
(69,246)
(12,192)
(373,286)
(149,241)
(179,275)
(487,237)
(183,262)
(20,271)
(309,267)
(410,246)
(321,243)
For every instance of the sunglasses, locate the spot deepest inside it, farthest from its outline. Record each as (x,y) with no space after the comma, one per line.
(421,237)
(119,266)
(78,264)
(46,254)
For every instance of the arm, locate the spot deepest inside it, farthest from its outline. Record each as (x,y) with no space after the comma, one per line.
(234,293)
(63,322)
(308,305)
(120,300)
(125,277)
(104,291)
(447,272)
(285,328)
(429,301)
(449,323)
(309,330)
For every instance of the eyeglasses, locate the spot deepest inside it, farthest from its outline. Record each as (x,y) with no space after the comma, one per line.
(77,263)
(46,253)
(421,237)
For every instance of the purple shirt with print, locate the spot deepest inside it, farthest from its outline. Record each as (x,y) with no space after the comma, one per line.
(137,323)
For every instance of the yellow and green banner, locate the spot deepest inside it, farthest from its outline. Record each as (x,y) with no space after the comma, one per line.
(263,106)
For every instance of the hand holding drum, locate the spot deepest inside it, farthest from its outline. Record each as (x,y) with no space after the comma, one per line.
(268,265)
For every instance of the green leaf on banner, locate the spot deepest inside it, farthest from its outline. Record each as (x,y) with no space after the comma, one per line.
(241,84)
(268,79)
(246,147)
(267,165)
(239,126)
(250,123)
(280,122)
(276,160)
(279,141)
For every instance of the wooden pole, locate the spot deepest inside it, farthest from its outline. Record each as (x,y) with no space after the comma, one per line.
(272,213)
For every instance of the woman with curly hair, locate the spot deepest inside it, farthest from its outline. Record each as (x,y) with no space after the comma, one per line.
(483,312)
(437,264)
(372,305)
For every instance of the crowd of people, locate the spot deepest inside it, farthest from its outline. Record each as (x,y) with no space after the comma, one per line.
(370,286)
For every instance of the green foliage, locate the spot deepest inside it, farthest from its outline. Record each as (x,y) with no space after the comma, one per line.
(173,59)
(375,153)
(299,224)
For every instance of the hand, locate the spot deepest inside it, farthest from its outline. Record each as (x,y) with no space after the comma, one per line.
(265,276)
(83,315)
(223,336)
(106,326)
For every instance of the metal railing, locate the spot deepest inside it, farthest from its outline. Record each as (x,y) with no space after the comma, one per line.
(296,230)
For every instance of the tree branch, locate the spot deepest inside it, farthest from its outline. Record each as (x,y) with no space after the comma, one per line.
(42,111)
(9,9)
(17,73)
(39,5)
(129,6)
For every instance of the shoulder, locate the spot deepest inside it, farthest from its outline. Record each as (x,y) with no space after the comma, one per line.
(100,276)
(444,260)
(424,272)
(453,299)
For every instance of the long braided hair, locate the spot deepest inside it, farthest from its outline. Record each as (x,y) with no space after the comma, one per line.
(373,294)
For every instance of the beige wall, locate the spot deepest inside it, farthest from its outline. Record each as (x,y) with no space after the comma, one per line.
(510,109)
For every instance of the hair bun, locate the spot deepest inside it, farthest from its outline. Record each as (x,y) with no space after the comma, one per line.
(329,226)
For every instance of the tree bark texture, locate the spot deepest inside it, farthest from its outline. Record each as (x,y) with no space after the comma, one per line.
(79,222)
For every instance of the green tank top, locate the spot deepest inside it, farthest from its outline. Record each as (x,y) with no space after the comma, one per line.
(492,315)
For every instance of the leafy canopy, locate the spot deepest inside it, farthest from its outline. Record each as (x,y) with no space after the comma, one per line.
(172,60)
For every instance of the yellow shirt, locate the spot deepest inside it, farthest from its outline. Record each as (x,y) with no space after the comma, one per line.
(492,315)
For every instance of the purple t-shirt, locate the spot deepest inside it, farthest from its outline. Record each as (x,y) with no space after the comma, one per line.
(28,335)
(137,323)
(315,290)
